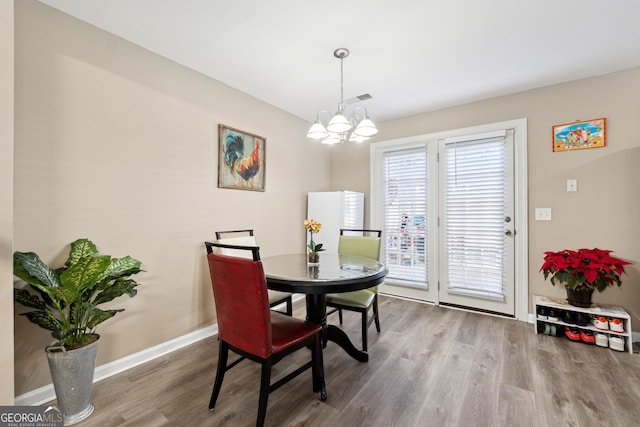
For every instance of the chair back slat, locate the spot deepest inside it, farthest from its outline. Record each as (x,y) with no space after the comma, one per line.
(219,234)
(237,241)
(241,300)
(235,237)
(240,251)
(360,232)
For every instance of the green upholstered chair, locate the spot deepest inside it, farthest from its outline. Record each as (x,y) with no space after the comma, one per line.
(367,244)
(246,238)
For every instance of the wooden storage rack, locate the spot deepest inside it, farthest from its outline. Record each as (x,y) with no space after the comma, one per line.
(595,310)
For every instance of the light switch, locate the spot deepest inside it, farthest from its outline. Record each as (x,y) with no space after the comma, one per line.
(572,185)
(543,214)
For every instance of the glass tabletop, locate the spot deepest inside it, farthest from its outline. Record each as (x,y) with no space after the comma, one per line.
(335,273)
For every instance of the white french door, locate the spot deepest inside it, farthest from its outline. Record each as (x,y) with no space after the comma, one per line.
(476,211)
(447,206)
(407,220)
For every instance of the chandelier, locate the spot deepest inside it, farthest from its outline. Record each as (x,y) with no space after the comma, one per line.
(356,127)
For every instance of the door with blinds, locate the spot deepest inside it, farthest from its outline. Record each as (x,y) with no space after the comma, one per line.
(408,185)
(476,211)
(446,208)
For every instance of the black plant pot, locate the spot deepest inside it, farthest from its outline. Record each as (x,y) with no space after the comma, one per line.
(579,298)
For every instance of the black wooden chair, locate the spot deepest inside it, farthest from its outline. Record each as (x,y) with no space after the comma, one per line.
(246,238)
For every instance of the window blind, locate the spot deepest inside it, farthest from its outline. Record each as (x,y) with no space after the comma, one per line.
(353,210)
(405,215)
(474,208)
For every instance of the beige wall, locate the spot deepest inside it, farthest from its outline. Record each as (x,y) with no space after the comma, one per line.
(6,202)
(119,145)
(604,213)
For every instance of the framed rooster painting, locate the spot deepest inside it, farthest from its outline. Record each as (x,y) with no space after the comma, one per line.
(241,159)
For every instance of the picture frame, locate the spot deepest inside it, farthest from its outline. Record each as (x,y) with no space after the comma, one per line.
(241,159)
(580,135)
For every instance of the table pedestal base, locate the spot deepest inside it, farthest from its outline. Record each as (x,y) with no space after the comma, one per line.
(337,335)
(317,313)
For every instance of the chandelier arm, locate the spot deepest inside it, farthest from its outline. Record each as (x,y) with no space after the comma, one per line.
(323,111)
(355,111)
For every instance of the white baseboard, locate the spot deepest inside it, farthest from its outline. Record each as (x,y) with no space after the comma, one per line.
(46,394)
(419,301)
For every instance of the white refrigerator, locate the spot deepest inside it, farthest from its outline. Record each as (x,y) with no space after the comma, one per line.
(334,210)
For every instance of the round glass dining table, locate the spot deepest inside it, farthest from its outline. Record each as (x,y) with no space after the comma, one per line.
(334,273)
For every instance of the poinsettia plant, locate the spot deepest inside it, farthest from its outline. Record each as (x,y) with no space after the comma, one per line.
(583,269)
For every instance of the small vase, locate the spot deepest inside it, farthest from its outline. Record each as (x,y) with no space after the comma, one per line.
(313,258)
(579,298)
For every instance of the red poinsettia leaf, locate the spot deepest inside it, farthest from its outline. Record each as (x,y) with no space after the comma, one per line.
(590,256)
(618,268)
(546,265)
(575,262)
(602,252)
(590,275)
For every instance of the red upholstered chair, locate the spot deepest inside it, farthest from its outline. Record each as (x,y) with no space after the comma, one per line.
(249,328)
(245,238)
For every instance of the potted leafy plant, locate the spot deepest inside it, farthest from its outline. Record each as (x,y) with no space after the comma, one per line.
(583,271)
(65,301)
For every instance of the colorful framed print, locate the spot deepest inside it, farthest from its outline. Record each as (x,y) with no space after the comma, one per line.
(580,135)
(241,159)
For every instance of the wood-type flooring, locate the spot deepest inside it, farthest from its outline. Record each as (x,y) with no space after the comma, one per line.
(430,366)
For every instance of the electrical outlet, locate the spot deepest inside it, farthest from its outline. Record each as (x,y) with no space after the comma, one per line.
(543,214)
(572,185)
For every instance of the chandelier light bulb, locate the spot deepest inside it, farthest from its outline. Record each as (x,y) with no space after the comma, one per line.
(339,123)
(333,138)
(317,131)
(357,138)
(366,128)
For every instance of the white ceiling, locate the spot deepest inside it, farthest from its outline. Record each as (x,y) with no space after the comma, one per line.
(410,55)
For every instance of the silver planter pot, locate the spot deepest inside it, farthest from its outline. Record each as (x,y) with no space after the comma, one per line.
(72,375)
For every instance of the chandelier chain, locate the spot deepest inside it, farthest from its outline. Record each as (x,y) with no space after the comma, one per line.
(341,83)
